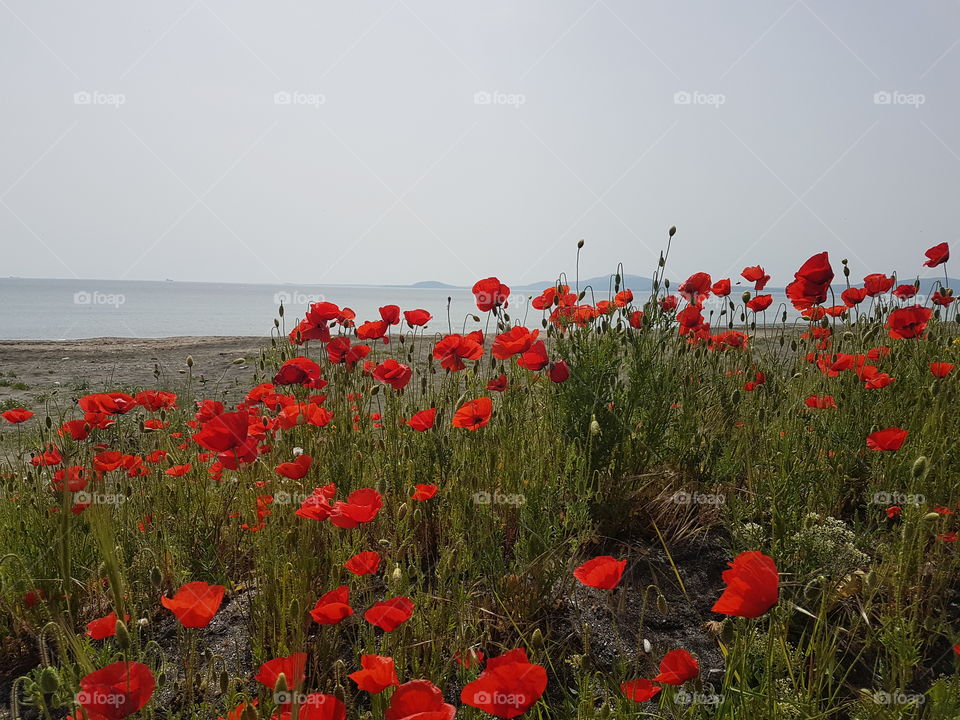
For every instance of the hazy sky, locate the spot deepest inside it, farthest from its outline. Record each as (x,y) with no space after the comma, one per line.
(391,142)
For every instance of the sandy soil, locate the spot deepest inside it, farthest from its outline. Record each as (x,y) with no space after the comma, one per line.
(34,373)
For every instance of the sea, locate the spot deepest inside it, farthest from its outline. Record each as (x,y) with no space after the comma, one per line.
(42,309)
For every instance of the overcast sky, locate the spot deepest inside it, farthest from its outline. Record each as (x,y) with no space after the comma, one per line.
(392,142)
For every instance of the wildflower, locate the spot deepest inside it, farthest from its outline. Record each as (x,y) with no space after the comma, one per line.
(752,586)
(603,572)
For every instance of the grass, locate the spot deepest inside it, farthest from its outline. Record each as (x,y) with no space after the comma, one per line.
(657,450)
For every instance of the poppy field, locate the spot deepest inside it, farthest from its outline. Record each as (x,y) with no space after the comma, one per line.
(696,500)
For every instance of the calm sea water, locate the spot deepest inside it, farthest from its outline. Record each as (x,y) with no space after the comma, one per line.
(33,309)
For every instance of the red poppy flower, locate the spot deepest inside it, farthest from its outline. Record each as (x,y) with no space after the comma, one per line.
(423,420)
(155,400)
(490,293)
(424,492)
(298,371)
(623,298)
(891,438)
(418,700)
(332,607)
(535,358)
(390,314)
(292,667)
(811,282)
(361,506)
(753,586)
(417,318)
(195,603)
(295,470)
(113,403)
(223,432)
(508,686)
(497,384)
(904,292)
(516,340)
(117,690)
(696,287)
(602,572)
(75,477)
(908,322)
(372,330)
(942,297)
(340,351)
(721,288)
(77,429)
(17,415)
(390,614)
(677,667)
(377,675)
(237,712)
(941,369)
(474,414)
(755,274)
(636,319)
(364,563)
(820,402)
(50,456)
(853,296)
(103,627)
(669,303)
(452,350)
(894,511)
(877,284)
(639,690)
(937,255)
(392,373)
(558,371)
(469,659)
(760,303)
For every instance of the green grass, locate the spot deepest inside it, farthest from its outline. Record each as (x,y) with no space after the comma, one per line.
(867,612)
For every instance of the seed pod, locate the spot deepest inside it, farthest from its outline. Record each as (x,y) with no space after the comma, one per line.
(580,245)
(921,466)
(673,231)
(189,361)
(123,635)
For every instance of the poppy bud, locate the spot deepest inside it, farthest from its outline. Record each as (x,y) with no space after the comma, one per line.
(846,271)
(475,318)
(155,576)
(123,635)
(48,422)
(402,511)
(931,516)
(673,231)
(579,244)
(536,640)
(281,686)
(746,296)
(921,466)
(224,682)
(666,284)
(250,713)
(397,574)
(49,681)
(662,606)
(189,361)
(280,311)
(594,425)
(661,263)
